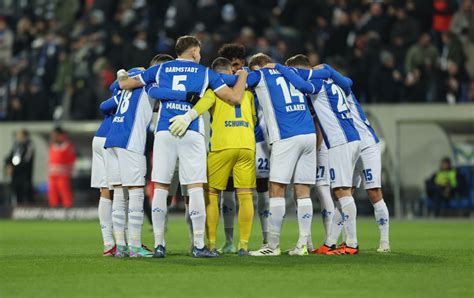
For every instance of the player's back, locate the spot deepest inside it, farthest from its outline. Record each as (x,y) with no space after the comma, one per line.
(284,107)
(362,124)
(334,116)
(181,75)
(131,120)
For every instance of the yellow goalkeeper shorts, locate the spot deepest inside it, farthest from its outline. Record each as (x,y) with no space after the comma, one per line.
(239,162)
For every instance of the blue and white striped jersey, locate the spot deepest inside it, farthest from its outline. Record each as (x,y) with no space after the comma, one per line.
(260,130)
(131,121)
(362,124)
(329,102)
(284,107)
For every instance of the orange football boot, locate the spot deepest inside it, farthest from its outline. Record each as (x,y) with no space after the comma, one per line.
(347,250)
(323,249)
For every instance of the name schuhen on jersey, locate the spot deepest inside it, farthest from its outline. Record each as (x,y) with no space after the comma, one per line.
(290,107)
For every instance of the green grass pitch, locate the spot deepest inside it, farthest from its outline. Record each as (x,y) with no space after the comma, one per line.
(62,259)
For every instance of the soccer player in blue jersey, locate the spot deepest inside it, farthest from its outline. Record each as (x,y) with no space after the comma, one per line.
(126,162)
(99,180)
(187,75)
(322,172)
(343,141)
(369,169)
(293,157)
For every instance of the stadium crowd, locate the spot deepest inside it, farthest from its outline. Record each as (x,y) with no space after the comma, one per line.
(395,51)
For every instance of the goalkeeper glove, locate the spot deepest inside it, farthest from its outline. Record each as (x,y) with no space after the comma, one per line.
(192,97)
(122,74)
(180,123)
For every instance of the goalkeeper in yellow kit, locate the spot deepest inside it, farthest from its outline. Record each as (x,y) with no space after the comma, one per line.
(232,150)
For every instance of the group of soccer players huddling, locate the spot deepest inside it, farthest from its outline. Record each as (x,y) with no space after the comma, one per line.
(271,126)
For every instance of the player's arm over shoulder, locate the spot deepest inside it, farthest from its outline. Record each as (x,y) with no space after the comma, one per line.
(206,102)
(230,95)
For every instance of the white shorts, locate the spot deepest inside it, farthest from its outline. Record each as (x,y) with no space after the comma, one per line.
(189,149)
(295,158)
(322,170)
(342,161)
(98,170)
(368,168)
(262,160)
(125,167)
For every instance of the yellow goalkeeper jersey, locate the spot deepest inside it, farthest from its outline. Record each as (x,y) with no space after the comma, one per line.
(232,126)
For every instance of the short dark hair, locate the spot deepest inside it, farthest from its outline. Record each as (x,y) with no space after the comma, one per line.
(259,59)
(186,42)
(221,64)
(232,51)
(299,60)
(160,58)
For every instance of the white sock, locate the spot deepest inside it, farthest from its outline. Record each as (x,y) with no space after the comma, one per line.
(349,212)
(105,220)
(277,212)
(327,206)
(189,223)
(382,219)
(305,217)
(119,215)
(135,216)
(336,227)
(197,213)
(263,206)
(159,209)
(229,207)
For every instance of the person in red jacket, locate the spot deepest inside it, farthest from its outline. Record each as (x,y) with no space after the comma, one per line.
(60,164)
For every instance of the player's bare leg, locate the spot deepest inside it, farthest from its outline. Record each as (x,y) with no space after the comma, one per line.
(105,220)
(382,217)
(197,213)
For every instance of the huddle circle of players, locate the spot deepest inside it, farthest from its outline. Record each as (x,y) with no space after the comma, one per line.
(271,125)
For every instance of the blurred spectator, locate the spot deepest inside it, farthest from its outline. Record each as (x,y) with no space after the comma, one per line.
(386,81)
(420,67)
(19,167)
(378,21)
(73,47)
(6,41)
(454,81)
(405,30)
(60,165)
(444,185)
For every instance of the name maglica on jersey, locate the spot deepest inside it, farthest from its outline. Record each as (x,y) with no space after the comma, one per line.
(178,106)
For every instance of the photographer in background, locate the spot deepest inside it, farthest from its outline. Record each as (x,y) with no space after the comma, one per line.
(19,167)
